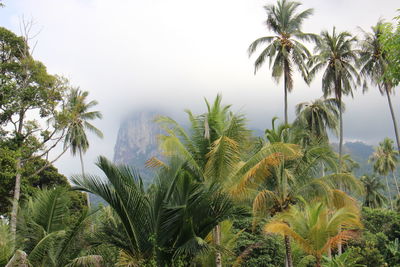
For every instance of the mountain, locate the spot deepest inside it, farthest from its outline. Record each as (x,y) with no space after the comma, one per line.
(360,152)
(137,142)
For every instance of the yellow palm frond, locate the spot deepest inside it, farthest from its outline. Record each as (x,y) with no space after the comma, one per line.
(282,228)
(127,260)
(263,199)
(154,162)
(341,237)
(340,200)
(256,174)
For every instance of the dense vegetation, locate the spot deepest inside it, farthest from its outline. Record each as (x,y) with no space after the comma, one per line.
(220,195)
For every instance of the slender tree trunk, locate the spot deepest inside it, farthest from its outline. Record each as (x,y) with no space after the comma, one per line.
(396,130)
(17,186)
(217,239)
(17,191)
(329,252)
(390,195)
(318,262)
(286,96)
(339,246)
(288,246)
(83,174)
(340,134)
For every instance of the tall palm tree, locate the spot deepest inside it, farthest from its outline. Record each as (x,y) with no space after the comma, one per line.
(318,117)
(80,114)
(336,54)
(385,159)
(374,64)
(315,228)
(372,187)
(166,223)
(284,50)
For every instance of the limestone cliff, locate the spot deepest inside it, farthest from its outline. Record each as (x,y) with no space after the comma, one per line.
(137,142)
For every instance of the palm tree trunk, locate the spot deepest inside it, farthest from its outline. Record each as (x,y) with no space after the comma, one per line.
(289,262)
(286,95)
(340,134)
(397,185)
(17,192)
(390,195)
(318,262)
(83,174)
(396,130)
(217,238)
(329,252)
(339,246)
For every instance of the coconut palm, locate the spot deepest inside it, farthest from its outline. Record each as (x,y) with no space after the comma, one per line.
(285,133)
(296,178)
(284,50)
(212,147)
(385,159)
(79,113)
(315,228)
(218,130)
(318,117)
(372,187)
(337,56)
(374,64)
(168,222)
(349,164)
(217,148)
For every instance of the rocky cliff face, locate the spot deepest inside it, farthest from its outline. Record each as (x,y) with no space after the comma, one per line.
(137,142)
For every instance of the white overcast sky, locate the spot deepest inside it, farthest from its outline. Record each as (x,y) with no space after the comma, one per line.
(169,54)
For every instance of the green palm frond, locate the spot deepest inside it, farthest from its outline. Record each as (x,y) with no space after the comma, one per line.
(40,253)
(7,244)
(87,261)
(77,110)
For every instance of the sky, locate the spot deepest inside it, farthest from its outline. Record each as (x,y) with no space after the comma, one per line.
(169,54)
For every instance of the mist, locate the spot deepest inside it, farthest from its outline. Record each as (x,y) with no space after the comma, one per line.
(170,54)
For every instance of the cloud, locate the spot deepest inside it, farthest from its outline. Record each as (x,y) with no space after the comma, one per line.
(171,53)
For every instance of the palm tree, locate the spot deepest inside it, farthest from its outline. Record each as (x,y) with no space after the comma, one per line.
(317,117)
(284,48)
(166,223)
(336,54)
(374,64)
(315,228)
(212,147)
(295,178)
(346,259)
(349,164)
(372,187)
(7,244)
(217,148)
(385,159)
(79,116)
(47,236)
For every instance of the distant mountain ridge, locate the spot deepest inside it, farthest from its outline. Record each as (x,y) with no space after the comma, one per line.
(137,142)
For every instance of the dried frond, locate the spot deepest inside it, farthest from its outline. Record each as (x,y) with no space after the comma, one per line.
(154,162)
